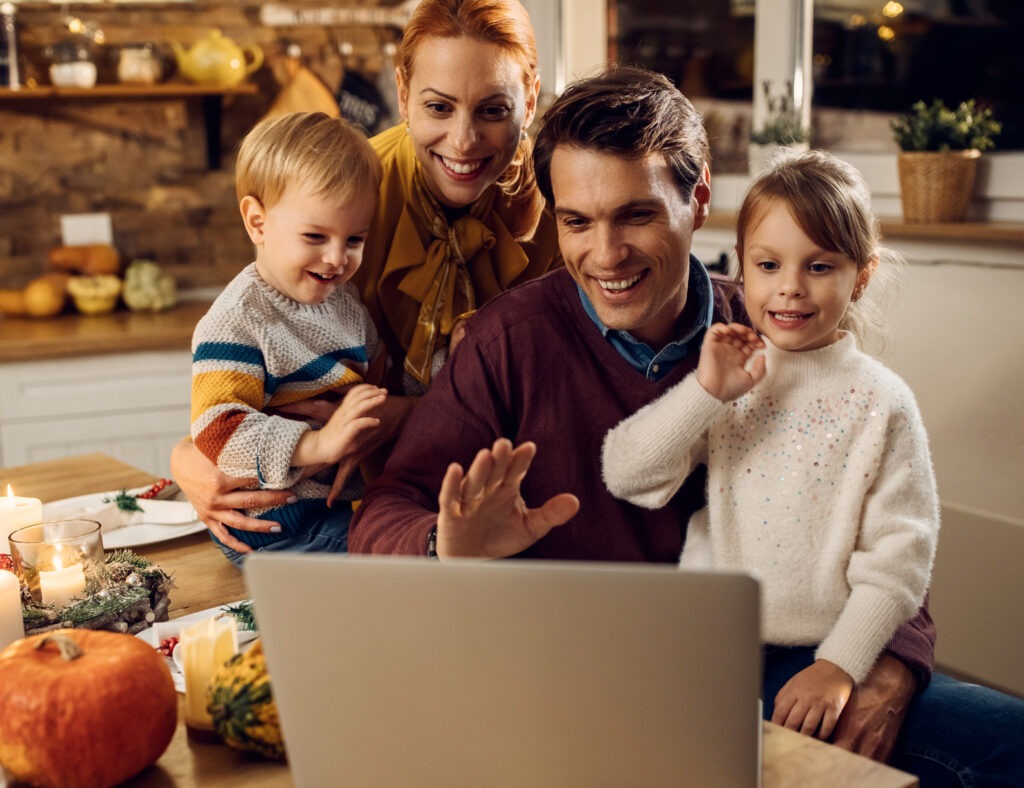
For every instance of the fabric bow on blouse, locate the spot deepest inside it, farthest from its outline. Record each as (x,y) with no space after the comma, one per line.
(426,265)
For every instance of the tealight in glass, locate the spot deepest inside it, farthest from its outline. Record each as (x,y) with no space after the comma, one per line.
(59,562)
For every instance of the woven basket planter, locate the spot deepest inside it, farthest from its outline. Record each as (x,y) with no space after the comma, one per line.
(936,186)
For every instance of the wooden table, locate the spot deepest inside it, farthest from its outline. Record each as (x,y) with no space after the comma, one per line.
(205,579)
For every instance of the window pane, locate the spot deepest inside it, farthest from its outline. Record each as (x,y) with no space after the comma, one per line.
(868,66)
(952,50)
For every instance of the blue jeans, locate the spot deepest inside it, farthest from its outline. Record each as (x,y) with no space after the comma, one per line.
(954,734)
(322,531)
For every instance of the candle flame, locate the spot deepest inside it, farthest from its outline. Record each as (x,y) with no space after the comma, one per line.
(8,501)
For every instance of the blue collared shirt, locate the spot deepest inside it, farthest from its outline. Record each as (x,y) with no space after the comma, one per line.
(641,356)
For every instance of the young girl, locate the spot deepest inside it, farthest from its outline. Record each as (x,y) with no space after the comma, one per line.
(819,475)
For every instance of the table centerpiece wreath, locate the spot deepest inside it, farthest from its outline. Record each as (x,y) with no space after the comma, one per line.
(130,595)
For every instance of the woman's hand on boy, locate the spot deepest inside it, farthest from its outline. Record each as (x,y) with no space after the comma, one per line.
(218,498)
(730,362)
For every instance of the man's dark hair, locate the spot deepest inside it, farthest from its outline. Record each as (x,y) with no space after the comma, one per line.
(629,111)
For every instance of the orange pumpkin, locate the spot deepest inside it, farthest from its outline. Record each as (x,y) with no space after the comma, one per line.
(94,719)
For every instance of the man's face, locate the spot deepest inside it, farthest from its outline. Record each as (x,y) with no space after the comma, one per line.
(625,231)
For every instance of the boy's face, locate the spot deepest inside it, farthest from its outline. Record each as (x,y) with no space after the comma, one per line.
(307,245)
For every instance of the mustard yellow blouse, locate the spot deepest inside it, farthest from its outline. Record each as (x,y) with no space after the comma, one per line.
(420,271)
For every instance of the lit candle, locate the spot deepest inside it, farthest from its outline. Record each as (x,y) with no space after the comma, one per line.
(61,584)
(16,512)
(12,625)
(205,646)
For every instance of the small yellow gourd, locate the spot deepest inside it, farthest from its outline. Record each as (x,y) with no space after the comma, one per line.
(241,703)
(94,295)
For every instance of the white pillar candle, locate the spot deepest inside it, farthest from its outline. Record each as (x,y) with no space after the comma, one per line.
(60,585)
(16,512)
(12,625)
(205,646)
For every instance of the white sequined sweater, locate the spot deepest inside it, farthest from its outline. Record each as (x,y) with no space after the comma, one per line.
(256,349)
(820,483)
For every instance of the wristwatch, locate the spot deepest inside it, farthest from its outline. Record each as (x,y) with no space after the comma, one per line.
(432,543)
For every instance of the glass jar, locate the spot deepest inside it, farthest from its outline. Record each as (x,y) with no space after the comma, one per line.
(139,64)
(72,64)
(59,562)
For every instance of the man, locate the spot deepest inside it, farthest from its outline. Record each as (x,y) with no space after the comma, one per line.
(502,456)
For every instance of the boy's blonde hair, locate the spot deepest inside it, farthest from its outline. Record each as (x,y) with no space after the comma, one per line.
(831,202)
(329,155)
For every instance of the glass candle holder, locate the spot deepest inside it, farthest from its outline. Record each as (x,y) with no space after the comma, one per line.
(59,561)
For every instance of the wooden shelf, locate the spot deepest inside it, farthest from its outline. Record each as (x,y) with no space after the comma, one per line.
(209,95)
(968,232)
(119,91)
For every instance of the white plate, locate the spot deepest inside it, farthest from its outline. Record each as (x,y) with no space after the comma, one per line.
(162,630)
(159,521)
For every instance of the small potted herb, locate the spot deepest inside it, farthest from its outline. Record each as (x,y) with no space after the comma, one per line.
(939,153)
(783,127)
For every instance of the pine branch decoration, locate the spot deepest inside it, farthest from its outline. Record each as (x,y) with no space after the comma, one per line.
(243,613)
(132,595)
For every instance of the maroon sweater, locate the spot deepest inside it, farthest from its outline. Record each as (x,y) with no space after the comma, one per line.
(534,367)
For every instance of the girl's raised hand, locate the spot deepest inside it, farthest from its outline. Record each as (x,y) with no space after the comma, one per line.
(723,370)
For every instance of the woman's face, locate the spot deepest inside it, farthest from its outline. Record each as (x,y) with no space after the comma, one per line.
(466,106)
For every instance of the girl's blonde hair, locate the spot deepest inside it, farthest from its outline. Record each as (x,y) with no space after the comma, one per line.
(831,203)
(328,155)
(505,24)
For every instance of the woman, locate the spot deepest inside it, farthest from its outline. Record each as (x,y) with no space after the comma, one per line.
(459,218)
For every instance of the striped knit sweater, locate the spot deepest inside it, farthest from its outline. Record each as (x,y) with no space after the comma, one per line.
(256,349)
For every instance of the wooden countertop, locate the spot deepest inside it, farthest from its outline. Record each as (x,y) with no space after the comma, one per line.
(122,331)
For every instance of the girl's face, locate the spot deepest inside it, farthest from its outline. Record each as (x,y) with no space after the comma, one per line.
(466,106)
(796,293)
(307,245)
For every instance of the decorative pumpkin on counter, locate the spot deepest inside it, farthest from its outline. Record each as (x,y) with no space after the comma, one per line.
(86,259)
(83,707)
(44,296)
(241,702)
(95,295)
(147,287)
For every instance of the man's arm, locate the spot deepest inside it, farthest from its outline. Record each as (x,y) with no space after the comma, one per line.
(871,721)
(468,408)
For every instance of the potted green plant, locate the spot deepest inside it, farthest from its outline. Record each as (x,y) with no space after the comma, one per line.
(939,153)
(782,128)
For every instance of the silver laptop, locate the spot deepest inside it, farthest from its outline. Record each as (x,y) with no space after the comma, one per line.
(409,672)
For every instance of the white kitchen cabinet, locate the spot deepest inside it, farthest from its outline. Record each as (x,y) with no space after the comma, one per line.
(132,406)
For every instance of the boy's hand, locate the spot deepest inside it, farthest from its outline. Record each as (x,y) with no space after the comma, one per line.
(331,442)
(347,435)
(813,699)
(722,369)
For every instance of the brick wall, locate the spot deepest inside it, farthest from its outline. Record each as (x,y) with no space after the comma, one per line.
(143,160)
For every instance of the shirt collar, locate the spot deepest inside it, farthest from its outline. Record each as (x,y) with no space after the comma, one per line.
(657,364)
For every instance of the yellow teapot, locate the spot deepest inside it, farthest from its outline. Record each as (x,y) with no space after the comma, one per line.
(217,59)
